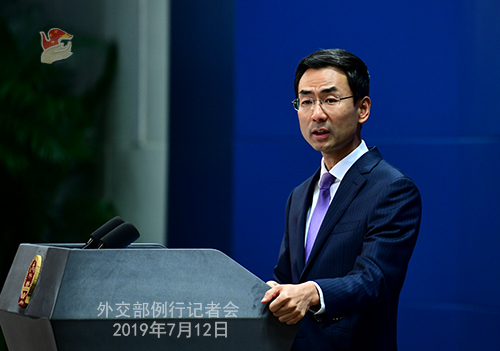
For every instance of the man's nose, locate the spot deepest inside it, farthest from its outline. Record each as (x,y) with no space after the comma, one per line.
(318,113)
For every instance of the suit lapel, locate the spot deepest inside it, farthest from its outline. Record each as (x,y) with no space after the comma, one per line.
(347,191)
(305,203)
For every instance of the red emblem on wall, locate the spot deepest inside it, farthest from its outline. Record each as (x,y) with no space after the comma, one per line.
(56,45)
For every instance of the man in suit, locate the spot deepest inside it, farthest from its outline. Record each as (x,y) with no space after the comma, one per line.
(347,242)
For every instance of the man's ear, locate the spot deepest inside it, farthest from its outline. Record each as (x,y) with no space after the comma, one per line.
(364,109)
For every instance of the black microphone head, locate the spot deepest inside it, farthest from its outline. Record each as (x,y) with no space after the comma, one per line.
(106,228)
(96,236)
(120,237)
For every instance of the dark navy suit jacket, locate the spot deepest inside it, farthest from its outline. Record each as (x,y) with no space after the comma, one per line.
(360,256)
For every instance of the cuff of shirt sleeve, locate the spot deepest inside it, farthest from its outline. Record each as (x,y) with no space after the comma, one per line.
(321,299)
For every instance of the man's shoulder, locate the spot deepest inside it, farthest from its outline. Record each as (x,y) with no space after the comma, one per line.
(373,164)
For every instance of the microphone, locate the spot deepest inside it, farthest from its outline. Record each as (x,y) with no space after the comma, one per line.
(120,237)
(96,236)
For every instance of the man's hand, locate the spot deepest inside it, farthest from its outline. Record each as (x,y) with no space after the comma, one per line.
(272,283)
(291,302)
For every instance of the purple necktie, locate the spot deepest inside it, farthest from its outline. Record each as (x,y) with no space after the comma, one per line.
(319,211)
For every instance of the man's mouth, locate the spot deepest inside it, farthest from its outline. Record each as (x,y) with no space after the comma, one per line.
(320,131)
(320,134)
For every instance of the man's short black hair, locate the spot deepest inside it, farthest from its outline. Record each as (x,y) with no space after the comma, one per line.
(353,67)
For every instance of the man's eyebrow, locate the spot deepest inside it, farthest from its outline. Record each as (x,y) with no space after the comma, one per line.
(329,90)
(324,91)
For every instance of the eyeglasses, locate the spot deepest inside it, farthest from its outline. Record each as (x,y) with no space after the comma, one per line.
(306,104)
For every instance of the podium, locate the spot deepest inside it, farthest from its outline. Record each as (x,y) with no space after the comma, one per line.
(144,297)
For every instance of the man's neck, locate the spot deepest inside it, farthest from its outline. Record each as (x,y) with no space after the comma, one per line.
(341,167)
(335,156)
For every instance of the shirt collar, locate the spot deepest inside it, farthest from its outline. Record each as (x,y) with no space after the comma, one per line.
(341,168)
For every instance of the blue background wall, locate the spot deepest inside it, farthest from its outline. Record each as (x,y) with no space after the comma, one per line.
(434,70)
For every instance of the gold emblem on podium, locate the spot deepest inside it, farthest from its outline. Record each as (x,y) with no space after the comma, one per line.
(30,281)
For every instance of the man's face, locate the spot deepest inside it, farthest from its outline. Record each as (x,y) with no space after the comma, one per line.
(332,130)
